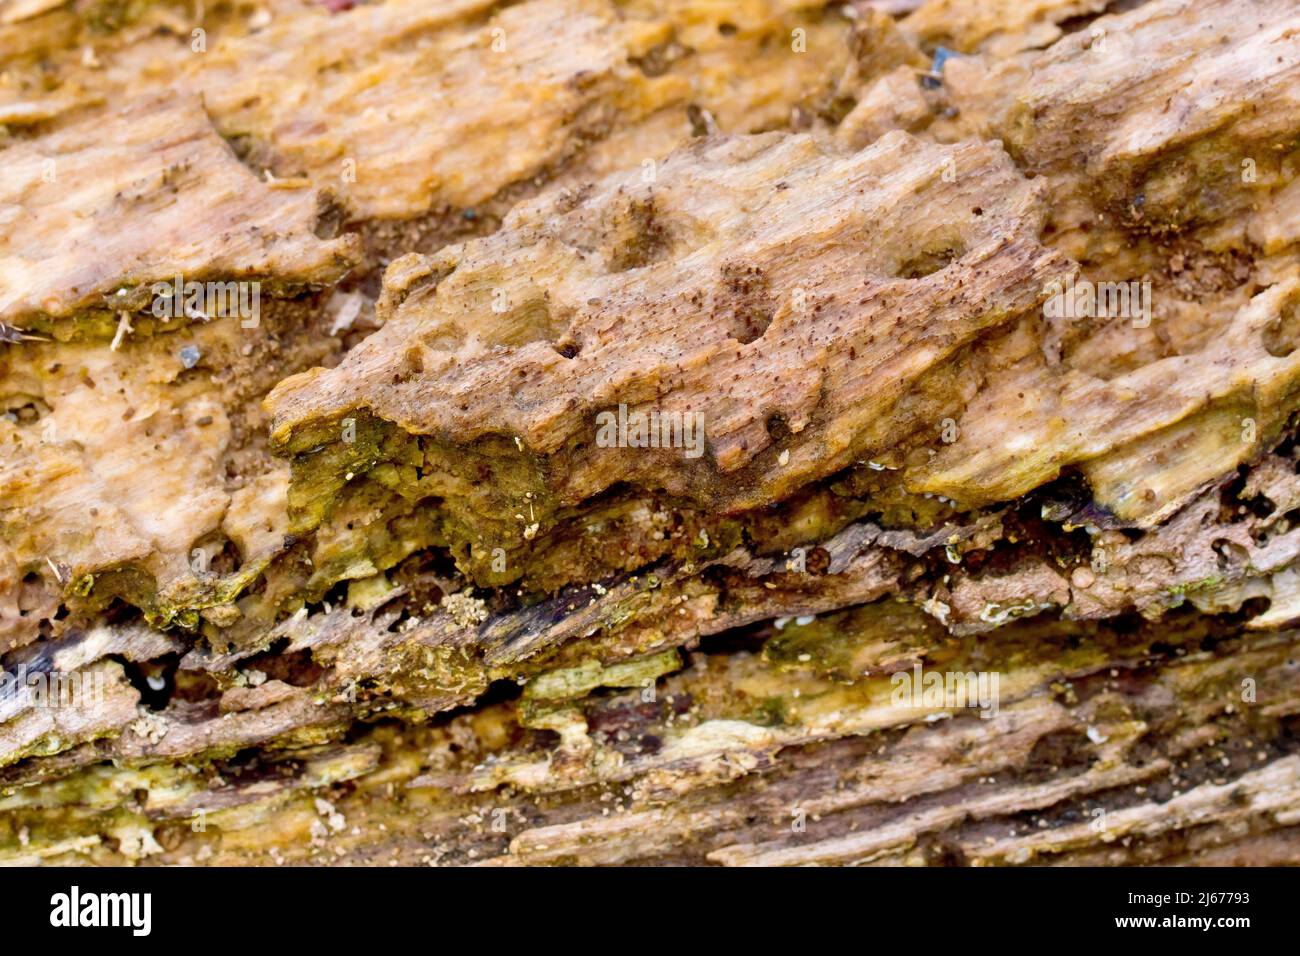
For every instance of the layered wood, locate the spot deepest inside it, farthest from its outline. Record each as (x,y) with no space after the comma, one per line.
(1103,752)
(150,170)
(441,598)
(1164,178)
(793,311)
(418,117)
(99,211)
(140,473)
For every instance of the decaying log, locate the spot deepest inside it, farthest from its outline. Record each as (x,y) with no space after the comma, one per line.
(788,312)
(1108,750)
(86,239)
(669,433)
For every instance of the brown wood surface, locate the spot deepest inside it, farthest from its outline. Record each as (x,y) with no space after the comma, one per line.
(360,582)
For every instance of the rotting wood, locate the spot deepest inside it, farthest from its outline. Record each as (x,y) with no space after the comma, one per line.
(412,609)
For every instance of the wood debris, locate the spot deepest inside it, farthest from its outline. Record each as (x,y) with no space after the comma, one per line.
(764,433)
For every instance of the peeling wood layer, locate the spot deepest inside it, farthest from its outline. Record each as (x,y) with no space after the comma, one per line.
(984,313)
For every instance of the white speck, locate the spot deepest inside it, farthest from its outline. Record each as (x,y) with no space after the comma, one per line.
(123,327)
(55,568)
(347,306)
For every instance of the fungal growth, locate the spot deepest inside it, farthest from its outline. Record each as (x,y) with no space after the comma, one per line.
(604,431)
